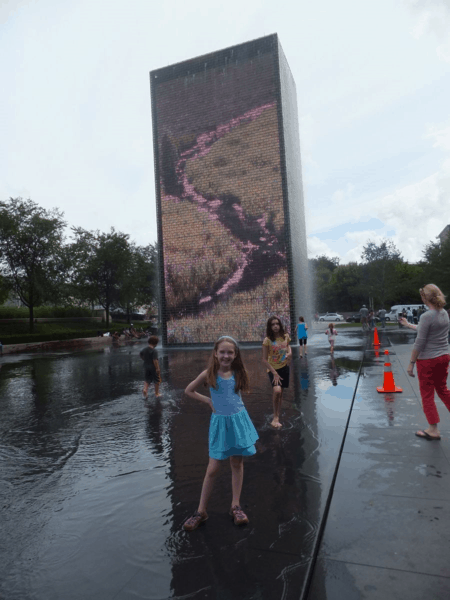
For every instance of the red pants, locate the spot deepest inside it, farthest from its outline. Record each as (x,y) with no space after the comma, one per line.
(433,373)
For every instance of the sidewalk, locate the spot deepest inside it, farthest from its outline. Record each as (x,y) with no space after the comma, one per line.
(388,529)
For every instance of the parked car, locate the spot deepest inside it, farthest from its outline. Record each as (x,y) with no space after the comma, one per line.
(357,319)
(331,317)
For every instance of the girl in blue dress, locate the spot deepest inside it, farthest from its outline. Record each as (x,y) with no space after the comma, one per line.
(302,335)
(231,432)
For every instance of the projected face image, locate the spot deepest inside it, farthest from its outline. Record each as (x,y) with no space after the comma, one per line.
(223,224)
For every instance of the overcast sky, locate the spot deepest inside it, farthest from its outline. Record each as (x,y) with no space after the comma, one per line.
(373,86)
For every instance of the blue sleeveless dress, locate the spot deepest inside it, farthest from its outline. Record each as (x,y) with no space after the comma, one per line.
(301,331)
(231,432)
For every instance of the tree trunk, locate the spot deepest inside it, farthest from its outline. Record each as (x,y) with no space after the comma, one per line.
(128,314)
(31,309)
(107,315)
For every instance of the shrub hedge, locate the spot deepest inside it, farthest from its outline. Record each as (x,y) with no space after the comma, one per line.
(27,338)
(56,312)
(17,333)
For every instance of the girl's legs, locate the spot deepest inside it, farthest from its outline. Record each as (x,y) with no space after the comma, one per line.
(331,346)
(145,390)
(208,483)
(277,399)
(304,343)
(157,394)
(301,348)
(237,477)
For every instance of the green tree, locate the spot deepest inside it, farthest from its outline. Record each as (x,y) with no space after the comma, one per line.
(436,266)
(5,289)
(321,269)
(31,242)
(101,262)
(409,278)
(379,270)
(138,284)
(346,286)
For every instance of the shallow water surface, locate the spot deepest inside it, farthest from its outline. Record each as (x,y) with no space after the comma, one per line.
(96,481)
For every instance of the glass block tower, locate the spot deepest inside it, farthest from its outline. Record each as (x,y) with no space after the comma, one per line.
(231,225)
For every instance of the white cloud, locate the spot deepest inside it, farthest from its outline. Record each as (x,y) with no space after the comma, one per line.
(441,136)
(418,213)
(343,206)
(317,247)
(433,16)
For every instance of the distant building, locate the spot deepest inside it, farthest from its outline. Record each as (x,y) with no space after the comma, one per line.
(443,236)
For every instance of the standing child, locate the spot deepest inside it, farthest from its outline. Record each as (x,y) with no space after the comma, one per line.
(152,372)
(331,333)
(231,432)
(277,355)
(302,336)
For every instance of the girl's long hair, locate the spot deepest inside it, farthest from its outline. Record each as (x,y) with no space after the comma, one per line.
(269,333)
(331,327)
(237,366)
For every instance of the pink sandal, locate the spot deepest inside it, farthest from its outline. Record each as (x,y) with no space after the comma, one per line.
(239,516)
(194,521)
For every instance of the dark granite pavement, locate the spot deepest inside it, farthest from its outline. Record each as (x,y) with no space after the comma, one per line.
(96,482)
(387,533)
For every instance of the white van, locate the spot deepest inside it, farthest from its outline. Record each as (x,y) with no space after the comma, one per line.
(398,308)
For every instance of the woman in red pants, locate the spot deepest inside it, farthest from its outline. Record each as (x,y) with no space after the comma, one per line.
(431,353)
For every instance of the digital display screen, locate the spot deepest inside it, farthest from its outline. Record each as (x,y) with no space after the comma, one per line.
(221,202)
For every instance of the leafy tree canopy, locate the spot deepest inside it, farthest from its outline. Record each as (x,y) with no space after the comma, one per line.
(31,240)
(436,265)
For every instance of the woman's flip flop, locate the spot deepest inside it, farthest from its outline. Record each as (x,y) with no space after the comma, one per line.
(423,434)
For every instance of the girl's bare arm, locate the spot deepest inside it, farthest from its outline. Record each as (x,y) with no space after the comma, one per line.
(289,351)
(265,356)
(276,376)
(191,389)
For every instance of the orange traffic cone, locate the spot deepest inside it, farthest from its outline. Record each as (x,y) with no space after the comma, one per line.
(376,341)
(388,382)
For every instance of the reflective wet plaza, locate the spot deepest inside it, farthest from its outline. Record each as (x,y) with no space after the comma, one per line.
(96,481)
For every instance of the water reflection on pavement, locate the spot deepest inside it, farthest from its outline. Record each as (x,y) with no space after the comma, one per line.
(96,482)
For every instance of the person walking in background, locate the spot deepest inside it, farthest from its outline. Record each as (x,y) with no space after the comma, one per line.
(430,354)
(364,312)
(409,315)
(152,372)
(371,319)
(231,432)
(382,317)
(331,333)
(277,356)
(302,335)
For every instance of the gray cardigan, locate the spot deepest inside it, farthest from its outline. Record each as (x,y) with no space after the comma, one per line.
(432,334)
